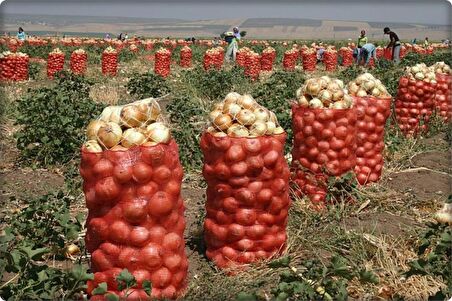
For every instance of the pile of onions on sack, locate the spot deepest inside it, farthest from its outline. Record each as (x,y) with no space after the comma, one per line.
(367,85)
(213,58)
(110,61)
(443,96)
(121,127)
(347,56)
(185,57)
(253,65)
(241,116)
(441,68)
(421,72)
(14,66)
(323,93)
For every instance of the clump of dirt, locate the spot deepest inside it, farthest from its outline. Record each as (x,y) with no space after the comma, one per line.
(434,160)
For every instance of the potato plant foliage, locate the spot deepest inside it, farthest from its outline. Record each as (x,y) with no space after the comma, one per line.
(52,120)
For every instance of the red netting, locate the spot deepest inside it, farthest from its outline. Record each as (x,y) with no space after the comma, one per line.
(290,60)
(78,62)
(14,67)
(136,218)
(330,60)
(370,125)
(443,100)
(162,65)
(253,66)
(309,61)
(55,63)
(347,57)
(247,198)
(185,57)
(110,63)
(267,60)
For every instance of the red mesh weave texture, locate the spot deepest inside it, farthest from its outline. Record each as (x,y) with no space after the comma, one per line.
(55,63)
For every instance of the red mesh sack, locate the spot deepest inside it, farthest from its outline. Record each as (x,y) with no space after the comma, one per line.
(414,105)
(371,113)
(387,54)
(324,146)
(330,60)
(219,58)
(290,60)
(347,57)
(185,57)
(148,46)
(162,64)
(380,52)
(253,65)
(110,63)
(21,67)
(14,67)
(13,45)
(55,63)
(78,61)
(309,61)
(403,51)
(208,61)
(136,218)
(267,60)
(443,100)
(240,57)
(247,198)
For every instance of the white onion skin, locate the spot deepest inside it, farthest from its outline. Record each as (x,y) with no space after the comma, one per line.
(131,116)
(246,117)
(261,114)
(258,128)
(158,133)
(93,128)
(132,137)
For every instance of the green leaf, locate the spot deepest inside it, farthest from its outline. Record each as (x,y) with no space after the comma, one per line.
(79,273)
(125,280)
(100,289)
(147,286)
(281,262)
(368,276)
(34,254)
(112,297)
(339,267)
(243,296)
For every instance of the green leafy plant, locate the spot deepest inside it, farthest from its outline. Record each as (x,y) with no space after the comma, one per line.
(52,121)
(434,256)
(147,85)
(34,69)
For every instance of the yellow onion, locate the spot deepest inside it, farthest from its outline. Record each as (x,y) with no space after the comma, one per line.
(72,250)
(158,132)
(232,109)
(149,143)
(218,106)
(131,116)
(375,92)
(261,114)
(361,93)
(303,101)
(109,134)
(369,85)
(93,128)
(278,130)
(338,95)
(231,97)
(246,117)
(271,126)
(132,137)
(246,101)
(258,128)
(339,83)
(92,146)
(315,103)
(214,114)
(339,105)
(333,86)
(223,122)
(238,131)
(220,134)
(348,100)
(313,87)
(106,113)
(118,148)
(353,87)
(325,96)
(273,117)
(211,129)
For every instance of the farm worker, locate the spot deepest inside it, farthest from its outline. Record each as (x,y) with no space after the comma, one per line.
(394,43)
(367,51)
(320,52)
(426,43)
(232,38)
(107,36)
(362,39)
(21,34)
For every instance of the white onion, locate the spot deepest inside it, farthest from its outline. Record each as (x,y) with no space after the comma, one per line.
(419,75)
(93,128)
(261,114)
(353,87)
(271,126)
(238,131)
(369,85)
(361,93)
(303,101)
(131,116)
(375,92)
(158,133)
(338,95)
(278,130)
(223,122)
(313,87)
(109,134)
(246,101)
(232,97)
(132,137)
(246,117)
(325,96)
(92,146)
(333,86)
(232,109)
(348,100)
(315,103)
(340,105)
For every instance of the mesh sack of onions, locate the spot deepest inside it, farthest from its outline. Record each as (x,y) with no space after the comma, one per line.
(185,57)
(162,64)
(110,61)
(240,56)
(148,45)
(387,54)
(380,52)
(403,51)
(247,183)
(55,62)
(373,106)
(208,60)
(14,66)
(324,128)
(13,45)
(267,59)
(309,59)
(218,57)
(347,56)
(78,61)
(443,102)
(133,48)
(290,59)
(415,99)
(132,181)
(330,59)
(253,65)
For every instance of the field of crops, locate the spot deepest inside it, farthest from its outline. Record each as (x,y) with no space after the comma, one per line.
(352,237)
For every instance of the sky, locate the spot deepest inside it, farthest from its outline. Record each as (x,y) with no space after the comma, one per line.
(404,11)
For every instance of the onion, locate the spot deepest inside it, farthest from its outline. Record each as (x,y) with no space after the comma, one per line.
(333,86)
(214,114)
(118,148)
(149,143)
(246,117)
(325,96)
(361,93)
(353,87)
(278,130)
(220,134)
(340,105)
(72,250)
(271,126)
(246,101)
(299,91)
(211,129)
(158,132)
(348,100)
(419,75)
(232,109)
(376,92)
(154,111)
(223,121)
(339,83)
(93,128)
(106,113)
(115,114)
(313,87)
(315,103)
(232,97)
(92,146)
(273,117)
(338,95)
(258,128)
(261,114)
(132,137)
(369,85)
(218,106)
(109,134)
(444,215)
(131,116)
(238,131)
(303,101)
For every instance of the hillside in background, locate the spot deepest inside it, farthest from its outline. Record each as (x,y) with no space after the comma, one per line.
(259,28)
